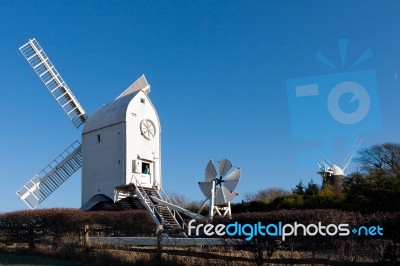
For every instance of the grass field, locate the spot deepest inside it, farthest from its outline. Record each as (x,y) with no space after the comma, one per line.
(134,255)
(32,260)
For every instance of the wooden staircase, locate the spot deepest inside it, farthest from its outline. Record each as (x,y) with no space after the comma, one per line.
(160,214)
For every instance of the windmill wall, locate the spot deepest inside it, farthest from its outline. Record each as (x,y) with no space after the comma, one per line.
(140,150)
(103,160)
(335,181)
(115,150)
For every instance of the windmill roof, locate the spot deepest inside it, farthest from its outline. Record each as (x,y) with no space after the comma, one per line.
(109,114)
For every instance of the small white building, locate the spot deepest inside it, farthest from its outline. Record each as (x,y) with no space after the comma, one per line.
(121,146)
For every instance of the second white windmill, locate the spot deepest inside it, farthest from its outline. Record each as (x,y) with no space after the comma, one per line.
(333,174)
(219,187)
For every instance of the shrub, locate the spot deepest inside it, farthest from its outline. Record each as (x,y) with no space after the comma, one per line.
(37,225)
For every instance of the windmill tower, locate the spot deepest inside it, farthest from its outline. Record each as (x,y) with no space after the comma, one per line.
(331,173)
(121,146)
(218,187)
(120,152)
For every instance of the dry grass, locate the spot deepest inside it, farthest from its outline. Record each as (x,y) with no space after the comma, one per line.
(73,254)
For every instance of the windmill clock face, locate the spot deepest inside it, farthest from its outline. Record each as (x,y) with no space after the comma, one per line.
(147,128)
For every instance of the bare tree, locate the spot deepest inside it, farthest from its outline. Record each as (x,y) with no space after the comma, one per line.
(380,157)
(178,199)
(181,201)
(266,194)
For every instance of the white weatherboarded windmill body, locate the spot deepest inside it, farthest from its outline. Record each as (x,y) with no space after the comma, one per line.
(121,146)
(120,141)
(120,154)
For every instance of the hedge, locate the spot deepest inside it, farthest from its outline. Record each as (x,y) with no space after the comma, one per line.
(38,225)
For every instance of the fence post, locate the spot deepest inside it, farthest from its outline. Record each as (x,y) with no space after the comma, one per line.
(31,237)
(86,240)
(159,232)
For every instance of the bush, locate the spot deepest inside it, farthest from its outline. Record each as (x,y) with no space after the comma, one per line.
(38,225)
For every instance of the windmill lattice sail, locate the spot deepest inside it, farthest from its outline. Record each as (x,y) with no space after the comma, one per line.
(353,151)
(52,176)
(47,72)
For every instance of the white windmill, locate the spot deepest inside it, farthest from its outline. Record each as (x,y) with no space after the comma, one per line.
(120,153)
(333,174)
(218,188)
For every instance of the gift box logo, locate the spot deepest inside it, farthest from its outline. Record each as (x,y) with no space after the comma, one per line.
(337,104)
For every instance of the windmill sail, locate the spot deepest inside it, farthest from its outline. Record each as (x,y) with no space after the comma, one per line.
(232,180)
(52,176)
(224,166)
(46,71)
(223,196)
(347,161)
(211,173)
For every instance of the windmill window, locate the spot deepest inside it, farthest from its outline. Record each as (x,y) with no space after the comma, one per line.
(98,138)
(142,100)
(146,168)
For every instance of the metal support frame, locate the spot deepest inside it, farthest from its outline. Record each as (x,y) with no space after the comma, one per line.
(215,209)
(212,201)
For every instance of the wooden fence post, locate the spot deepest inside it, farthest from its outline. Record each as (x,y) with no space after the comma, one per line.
(31,237)
(86,240)
(159,232)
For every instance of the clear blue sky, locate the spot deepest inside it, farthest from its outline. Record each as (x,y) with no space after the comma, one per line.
(223,74)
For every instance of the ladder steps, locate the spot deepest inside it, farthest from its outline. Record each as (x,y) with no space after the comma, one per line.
(162,214)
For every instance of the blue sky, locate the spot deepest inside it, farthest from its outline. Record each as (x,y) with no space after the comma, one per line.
(222,76)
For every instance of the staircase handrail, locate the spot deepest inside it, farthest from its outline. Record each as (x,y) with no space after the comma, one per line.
(183,224)
(152,208)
